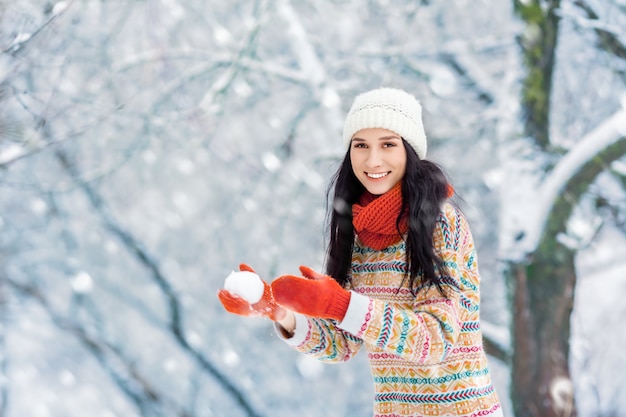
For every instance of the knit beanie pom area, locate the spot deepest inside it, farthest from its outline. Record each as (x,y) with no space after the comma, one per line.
(387,108)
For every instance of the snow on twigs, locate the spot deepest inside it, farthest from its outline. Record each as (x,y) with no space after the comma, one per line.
(593,143)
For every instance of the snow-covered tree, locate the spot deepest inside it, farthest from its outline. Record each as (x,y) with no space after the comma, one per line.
(574,191)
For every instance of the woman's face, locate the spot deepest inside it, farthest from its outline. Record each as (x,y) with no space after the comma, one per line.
(378,159)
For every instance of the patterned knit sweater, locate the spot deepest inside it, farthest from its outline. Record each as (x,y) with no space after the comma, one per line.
(425,351)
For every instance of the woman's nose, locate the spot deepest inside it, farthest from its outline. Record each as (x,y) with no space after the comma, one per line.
(373,158)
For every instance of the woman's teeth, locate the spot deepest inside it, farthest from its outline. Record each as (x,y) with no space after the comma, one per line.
(376,176)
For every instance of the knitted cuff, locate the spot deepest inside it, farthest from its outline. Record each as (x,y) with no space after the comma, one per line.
(357,314)
(339,304)
(300,334)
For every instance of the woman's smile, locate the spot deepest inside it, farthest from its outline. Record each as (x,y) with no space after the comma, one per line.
(377,176)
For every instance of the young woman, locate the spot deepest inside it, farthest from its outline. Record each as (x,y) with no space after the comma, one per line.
(402,277)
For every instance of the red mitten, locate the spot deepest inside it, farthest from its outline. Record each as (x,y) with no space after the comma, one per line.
(315,295)
(265,307)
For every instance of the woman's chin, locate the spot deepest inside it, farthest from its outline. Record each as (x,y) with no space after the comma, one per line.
(378,189)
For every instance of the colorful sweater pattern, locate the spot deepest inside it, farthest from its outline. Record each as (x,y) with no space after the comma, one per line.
(425,351)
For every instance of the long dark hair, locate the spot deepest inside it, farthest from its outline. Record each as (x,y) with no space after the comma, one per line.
(424,189)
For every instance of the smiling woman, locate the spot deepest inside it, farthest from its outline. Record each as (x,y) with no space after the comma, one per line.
(401,277)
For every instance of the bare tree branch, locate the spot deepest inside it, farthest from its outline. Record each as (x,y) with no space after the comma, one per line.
(608,40)
(21,42)
(463,70)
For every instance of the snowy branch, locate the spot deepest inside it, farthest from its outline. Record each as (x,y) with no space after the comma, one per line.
(307,57)
(472,45)
(32,146)
(607,35)
(223,83)
(313,69)
(598,140)
(16,152)
(22,39)
(469,69)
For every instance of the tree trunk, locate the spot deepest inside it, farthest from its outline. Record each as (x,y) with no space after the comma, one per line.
(542,288)
(538,43)
(543,301)
(542,292)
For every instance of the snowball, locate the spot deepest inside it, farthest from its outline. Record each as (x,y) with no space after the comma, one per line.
(245,284)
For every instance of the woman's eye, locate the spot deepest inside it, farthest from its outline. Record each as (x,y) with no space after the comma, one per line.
(389,144)
(359,145)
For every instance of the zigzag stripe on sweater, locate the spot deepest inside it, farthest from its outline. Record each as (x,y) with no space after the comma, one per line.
(394,266)
(447,397)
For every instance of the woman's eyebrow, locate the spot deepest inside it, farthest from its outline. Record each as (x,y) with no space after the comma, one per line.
(380,138)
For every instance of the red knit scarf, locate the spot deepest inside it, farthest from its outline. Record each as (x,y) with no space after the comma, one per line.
(374,218)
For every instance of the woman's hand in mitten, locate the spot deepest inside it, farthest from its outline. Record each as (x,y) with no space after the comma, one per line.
(315,295)
(246,294)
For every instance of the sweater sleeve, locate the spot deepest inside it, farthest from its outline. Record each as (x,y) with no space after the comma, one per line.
(322,339)
(427,332)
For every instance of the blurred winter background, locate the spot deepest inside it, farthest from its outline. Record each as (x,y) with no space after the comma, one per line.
(149,147)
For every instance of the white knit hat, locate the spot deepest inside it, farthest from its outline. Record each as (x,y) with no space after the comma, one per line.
(391,109)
